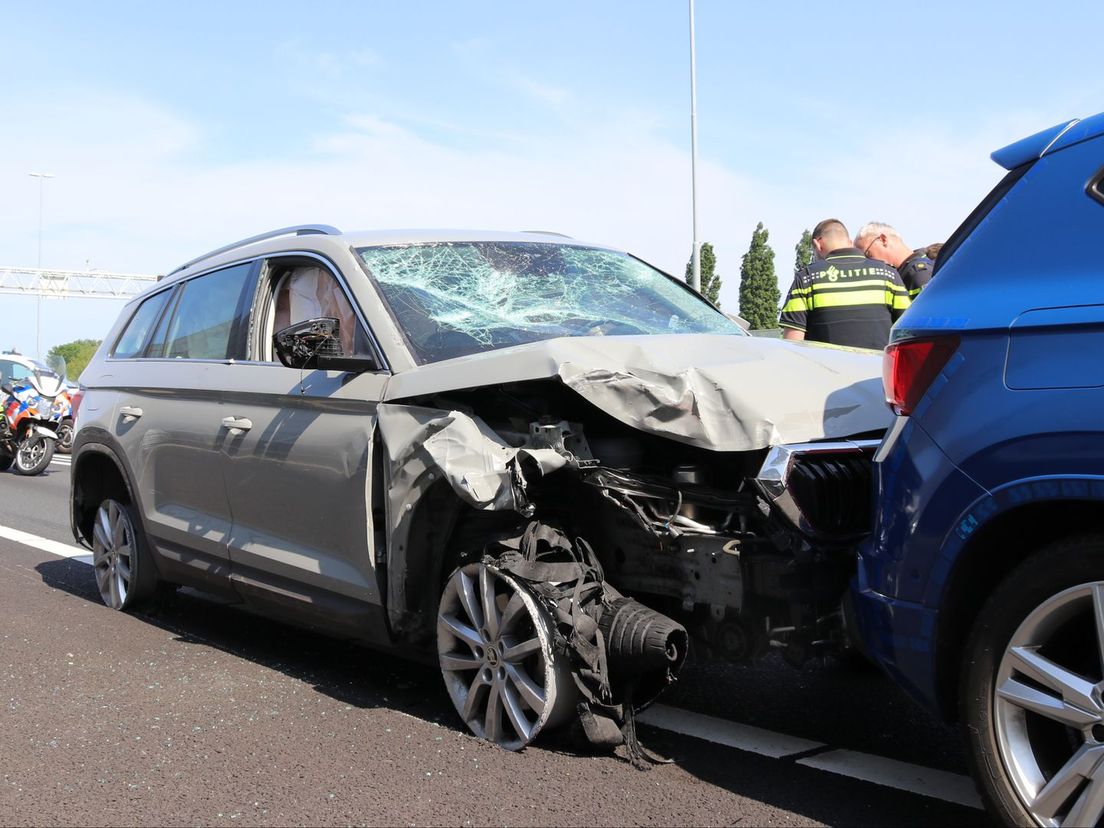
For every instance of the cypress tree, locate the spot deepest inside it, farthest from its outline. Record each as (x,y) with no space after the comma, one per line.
(804,250)
(759,294)
(710,280)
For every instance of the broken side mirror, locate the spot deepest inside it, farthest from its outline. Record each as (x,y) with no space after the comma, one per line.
(316,344)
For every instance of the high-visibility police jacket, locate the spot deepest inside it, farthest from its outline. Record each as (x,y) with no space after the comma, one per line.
(916,272)
(845,299)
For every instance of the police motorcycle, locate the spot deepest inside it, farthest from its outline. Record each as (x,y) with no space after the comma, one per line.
(33,408)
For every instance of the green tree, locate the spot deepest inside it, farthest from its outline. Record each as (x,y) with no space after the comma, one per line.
(76,354)
(759,292)
(804,250)
(710,280)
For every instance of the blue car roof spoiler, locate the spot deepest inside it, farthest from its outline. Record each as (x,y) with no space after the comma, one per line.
(1057,137)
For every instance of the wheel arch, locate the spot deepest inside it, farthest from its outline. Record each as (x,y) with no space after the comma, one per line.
(1019,531)
(440,532)
(98,472)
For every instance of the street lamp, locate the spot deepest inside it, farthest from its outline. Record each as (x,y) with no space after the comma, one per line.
(38,310)
(695,268)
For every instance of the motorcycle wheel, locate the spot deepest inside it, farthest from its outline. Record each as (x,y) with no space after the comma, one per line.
(33,455)
(65,436)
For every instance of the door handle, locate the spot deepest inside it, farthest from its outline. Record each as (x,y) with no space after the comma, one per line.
(130,413)
(237,424)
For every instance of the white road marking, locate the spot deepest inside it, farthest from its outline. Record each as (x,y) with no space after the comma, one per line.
(891,773)
(62,550)
(61,461)
(723,732)
(951,787)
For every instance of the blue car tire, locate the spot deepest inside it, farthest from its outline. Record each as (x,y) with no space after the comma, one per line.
(1033,674)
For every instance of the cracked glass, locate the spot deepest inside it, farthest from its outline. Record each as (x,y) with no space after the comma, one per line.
(457,298)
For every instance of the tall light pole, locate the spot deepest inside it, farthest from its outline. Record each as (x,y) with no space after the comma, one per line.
(695,268)
(38,310)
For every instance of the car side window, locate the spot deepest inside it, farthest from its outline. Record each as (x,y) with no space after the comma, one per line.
(302,292)
(207,322)
(129,345)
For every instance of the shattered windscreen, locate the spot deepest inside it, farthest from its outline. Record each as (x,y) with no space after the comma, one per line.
(458,298)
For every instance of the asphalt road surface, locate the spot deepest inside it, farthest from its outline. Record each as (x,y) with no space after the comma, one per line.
(198,713)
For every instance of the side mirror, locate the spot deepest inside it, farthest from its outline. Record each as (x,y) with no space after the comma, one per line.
(316,344)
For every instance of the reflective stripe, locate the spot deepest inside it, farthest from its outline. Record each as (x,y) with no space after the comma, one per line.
(797,304)
(840,299)
(868,283)
(796,327)
(901,302)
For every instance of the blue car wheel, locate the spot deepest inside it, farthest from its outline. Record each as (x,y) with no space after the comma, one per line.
(1032,699)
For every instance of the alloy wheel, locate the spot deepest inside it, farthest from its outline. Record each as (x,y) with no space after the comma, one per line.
(496,656)
(1049,711)
(113,553)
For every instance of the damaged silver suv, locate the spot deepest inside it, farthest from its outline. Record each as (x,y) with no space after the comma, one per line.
(473,447)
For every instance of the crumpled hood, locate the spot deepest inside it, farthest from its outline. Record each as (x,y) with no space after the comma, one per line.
(726,393)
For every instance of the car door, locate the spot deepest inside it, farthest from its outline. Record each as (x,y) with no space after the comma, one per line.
(171,379)
(300,465)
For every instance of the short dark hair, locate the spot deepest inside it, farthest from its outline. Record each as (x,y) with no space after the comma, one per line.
(830,225)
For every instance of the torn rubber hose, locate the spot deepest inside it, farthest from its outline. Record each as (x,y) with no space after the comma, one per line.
(644,648)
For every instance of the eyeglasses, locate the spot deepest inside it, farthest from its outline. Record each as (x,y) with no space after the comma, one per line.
(875,240)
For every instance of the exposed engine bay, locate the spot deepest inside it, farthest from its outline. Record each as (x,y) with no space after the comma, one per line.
(749,549)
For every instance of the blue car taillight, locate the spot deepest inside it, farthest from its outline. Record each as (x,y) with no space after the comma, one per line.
(908,368)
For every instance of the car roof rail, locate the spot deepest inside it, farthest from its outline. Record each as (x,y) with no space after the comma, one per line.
(548,233)
(298,230)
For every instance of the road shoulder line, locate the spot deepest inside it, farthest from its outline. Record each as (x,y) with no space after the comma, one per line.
(62,550)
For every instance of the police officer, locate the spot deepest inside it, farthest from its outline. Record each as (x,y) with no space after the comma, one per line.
(843,297)
(880,241)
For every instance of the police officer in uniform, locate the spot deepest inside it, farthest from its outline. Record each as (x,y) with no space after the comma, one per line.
(843,297)
(880,241)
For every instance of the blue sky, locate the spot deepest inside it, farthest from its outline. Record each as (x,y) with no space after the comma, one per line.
(174,128)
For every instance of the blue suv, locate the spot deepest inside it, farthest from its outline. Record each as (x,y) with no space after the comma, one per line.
(981,589)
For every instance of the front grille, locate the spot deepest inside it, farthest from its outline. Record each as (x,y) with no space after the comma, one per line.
(833,491)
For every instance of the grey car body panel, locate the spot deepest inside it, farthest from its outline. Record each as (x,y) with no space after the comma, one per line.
(425,445)
(298,478)
(175,452)
(725,393)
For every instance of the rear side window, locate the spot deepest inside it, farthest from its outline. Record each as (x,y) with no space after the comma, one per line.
(137,331)
(207,322)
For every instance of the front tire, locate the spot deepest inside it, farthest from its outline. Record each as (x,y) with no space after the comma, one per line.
(33,455)
(1033,678)
(125,573)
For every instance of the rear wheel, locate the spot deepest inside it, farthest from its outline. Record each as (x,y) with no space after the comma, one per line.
(1032,701)
(125,572)
(65,436)
(33,455)
(494,642)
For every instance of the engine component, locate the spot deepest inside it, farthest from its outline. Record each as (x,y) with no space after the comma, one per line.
(695,476)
